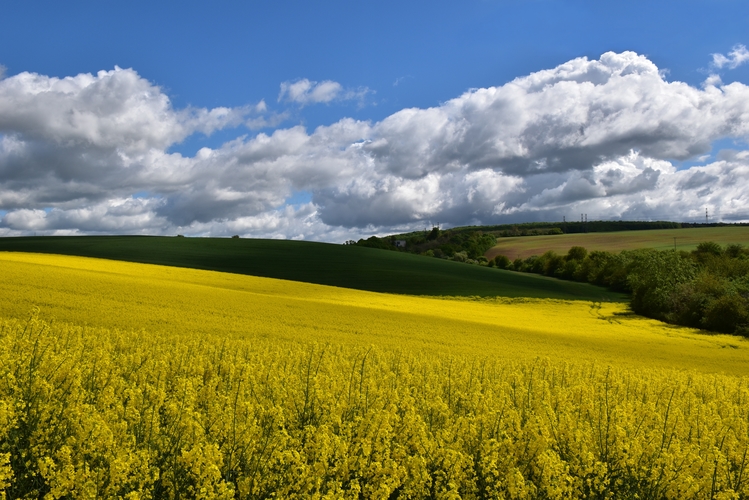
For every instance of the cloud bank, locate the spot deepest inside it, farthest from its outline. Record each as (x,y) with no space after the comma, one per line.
(90,154)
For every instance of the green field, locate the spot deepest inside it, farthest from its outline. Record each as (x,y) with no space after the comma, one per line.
(662,239)
(321,263)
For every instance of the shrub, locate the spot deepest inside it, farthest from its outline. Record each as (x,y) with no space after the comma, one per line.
(725,314)
(568,270)
(653,277)
(460,256)
(552,263)
(535,264)
(502,262)
(447,249)
(736,251)
(690,299)
(709,247)
(577,253)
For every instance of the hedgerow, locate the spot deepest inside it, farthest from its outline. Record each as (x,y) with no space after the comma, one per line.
(707,288)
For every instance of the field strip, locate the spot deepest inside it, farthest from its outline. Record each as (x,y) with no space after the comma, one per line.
(661,239)
(166,299)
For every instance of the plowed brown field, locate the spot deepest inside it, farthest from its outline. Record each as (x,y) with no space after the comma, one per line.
(682,239)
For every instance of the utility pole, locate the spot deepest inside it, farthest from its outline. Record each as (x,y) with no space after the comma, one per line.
(706,215)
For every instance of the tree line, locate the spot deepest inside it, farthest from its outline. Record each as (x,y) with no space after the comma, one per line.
(455,244)
(707,288)
(474,241)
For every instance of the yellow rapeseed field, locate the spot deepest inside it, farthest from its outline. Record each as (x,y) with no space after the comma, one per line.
(175,300)
(137,381)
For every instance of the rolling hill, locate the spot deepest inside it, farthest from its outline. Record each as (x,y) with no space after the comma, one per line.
(320,263)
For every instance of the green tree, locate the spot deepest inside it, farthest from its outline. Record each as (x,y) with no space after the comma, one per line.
(654,277)
(553,263)
(725,314)
(577,253)
(502,262)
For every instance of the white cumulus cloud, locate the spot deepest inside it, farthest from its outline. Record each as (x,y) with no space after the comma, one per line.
(306,92)
(91,154)
(738,56)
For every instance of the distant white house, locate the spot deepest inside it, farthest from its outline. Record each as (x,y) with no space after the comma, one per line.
(400,243)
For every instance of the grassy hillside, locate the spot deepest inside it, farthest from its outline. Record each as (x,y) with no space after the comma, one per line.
(685,239)
(320,263)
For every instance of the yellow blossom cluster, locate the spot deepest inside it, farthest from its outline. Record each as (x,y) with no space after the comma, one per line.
(88,412)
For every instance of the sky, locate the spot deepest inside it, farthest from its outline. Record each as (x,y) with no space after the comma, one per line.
(337,120)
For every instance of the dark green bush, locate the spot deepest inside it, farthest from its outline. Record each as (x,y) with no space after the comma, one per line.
(502,262)
(577,253)
(725,314)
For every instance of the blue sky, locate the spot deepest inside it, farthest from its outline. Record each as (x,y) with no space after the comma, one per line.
(361,64)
